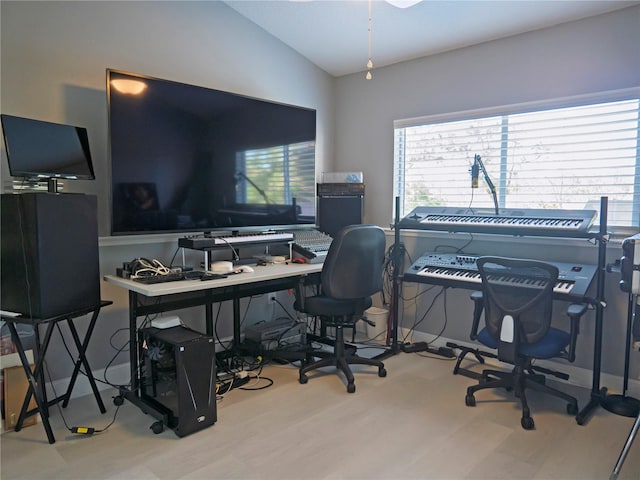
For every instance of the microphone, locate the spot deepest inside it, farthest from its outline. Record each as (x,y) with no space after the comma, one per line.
(475,171)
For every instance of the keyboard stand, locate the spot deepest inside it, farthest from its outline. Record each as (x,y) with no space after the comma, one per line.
(36,376)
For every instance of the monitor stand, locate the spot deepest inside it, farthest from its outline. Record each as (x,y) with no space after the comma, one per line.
(52,185)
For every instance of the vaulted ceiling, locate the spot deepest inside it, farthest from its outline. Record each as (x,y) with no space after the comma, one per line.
(333,34)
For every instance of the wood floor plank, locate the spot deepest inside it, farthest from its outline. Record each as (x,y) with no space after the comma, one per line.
(412,424)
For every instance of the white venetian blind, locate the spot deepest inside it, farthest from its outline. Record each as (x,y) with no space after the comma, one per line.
(558,158)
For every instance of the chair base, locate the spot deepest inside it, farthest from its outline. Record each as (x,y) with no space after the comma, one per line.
(518,381)
(464,351)
(341,358)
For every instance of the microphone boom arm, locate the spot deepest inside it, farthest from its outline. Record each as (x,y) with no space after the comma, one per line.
(489,183)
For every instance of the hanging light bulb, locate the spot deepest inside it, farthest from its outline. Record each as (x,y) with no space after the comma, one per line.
(369,63)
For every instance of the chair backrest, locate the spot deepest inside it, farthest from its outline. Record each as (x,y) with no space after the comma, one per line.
(520,292)
(354,263)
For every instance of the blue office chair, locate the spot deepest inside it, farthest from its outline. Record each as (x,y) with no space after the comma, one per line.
(351,273)
(517,298)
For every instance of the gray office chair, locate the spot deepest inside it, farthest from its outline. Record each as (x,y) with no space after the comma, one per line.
(351,273)
(517,296)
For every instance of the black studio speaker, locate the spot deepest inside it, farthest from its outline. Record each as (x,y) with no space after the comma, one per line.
(339,205)
(630,265)
(49,253)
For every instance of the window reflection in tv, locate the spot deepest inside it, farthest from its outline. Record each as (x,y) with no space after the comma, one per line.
(189,158)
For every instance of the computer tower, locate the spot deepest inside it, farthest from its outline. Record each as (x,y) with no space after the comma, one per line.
(49,253)
(178,377)
(339,205)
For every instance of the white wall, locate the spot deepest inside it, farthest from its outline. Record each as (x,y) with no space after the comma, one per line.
(592,55)
(54,58)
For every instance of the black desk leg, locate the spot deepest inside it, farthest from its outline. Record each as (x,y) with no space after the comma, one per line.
(82,360)
(133,341)
(236,321)
(33,384)
(208,315)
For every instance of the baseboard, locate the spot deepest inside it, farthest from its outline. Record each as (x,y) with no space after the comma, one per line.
(582,377)
(578,376)
(117,375)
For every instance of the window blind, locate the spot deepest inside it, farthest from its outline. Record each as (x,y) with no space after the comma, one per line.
(556,158)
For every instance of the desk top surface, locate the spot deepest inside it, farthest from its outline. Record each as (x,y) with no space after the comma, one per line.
(260,274)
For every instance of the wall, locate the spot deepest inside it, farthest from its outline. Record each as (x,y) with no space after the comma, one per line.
(592,55)
(54,60)
(54,56)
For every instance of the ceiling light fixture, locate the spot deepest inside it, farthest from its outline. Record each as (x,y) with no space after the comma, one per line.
(369,63)
(403,3)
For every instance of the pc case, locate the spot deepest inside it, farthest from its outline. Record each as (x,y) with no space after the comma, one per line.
(178,377)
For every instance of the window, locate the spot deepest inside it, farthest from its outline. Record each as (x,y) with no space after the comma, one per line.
(536,156)
(278,175)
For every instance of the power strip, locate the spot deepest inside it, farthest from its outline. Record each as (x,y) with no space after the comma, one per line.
(424,347)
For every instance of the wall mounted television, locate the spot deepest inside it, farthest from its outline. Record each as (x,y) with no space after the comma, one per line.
(46,151)
(186,158)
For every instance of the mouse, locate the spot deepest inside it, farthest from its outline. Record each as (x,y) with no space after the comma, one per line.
(244,268)
(298,260)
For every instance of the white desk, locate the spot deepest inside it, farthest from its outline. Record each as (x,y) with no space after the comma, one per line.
(191,293)
(260,274)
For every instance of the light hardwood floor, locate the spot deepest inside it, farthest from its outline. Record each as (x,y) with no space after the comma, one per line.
(413,424)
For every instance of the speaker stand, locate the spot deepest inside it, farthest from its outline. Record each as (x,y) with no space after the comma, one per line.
(623,404)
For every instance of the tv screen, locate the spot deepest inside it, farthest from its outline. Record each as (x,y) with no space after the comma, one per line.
(45,150)
(189,158)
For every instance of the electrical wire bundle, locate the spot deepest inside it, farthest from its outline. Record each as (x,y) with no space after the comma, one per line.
(142,267)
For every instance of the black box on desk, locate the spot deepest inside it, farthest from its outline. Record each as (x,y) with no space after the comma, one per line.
(178,377)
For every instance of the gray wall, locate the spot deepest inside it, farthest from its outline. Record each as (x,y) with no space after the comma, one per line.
(54,56)
(593,55)
(54,59)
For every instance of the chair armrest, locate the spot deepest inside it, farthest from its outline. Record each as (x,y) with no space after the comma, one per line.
(575,312)
(478,306)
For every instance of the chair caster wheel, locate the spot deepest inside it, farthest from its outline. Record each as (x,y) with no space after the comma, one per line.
(351,388)
(470,400)
(527,423)
(382,372)
(572,409)
(303,379)
(118,400)
(157,427)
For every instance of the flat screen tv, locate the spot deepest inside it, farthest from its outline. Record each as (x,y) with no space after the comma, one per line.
(46,151)
(186,158)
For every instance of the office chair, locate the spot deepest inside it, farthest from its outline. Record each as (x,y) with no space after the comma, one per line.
(351,273)
(517,297)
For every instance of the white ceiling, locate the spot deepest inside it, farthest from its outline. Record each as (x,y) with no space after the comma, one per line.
(333,33)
